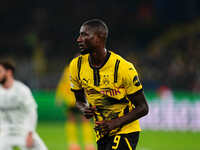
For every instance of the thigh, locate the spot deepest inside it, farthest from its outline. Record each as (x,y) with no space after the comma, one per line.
(123,141)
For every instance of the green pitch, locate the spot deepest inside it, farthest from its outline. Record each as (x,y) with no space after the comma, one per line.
(53,135)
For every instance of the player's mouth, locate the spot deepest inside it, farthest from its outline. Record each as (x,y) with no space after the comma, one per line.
(81,46)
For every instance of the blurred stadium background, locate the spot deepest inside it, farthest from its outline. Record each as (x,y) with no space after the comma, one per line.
(161,37)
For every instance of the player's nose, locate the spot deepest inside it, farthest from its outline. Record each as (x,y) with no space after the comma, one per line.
(79,39)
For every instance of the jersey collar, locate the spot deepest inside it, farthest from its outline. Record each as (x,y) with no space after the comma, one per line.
(107,57)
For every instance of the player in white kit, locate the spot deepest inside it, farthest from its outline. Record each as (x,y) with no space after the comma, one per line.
(18,113)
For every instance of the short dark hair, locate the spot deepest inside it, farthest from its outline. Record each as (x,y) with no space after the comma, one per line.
(99,25)
(8,65)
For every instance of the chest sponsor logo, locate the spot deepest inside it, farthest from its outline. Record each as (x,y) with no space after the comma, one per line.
(108,92)
(111,92)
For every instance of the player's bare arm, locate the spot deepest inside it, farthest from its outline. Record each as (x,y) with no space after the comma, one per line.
(141,109)
(82,105)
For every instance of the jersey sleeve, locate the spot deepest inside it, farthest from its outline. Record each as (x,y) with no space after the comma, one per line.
(30,110)
(131,80)
(74,81)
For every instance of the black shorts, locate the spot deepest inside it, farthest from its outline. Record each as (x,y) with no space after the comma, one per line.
(119,142)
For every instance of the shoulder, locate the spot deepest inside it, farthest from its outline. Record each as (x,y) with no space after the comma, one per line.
(79,59)
(74,60)
(21,87)
(123,63)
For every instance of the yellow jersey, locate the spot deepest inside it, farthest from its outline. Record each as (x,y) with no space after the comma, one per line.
(107,88)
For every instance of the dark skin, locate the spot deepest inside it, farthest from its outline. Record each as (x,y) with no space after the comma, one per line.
(91,41)
(95,43)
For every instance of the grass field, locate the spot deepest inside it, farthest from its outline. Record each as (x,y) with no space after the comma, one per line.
(54,136)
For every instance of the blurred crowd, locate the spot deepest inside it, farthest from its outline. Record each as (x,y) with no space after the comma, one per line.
(175,59)
(41,37)
(175,64)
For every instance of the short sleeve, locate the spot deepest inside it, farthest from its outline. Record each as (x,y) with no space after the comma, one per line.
(131,80)
(74,81)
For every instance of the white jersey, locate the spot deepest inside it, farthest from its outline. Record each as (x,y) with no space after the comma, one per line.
(17,110)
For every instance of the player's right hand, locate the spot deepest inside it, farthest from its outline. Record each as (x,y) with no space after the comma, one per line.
(89,112)
(29,140)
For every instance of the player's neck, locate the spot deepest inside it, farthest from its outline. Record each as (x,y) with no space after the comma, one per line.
(9,83)
(98,57)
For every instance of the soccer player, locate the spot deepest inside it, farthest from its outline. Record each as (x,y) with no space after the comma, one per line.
(107,88)
(18,115)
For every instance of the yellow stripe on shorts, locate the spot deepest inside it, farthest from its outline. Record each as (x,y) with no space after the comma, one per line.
(129,146)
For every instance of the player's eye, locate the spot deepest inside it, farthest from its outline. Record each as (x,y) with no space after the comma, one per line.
(83,34)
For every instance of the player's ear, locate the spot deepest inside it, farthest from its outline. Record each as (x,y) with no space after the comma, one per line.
(96,39)
(100,38)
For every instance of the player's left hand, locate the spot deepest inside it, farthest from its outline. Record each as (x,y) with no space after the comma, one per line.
(29,140)
(107,125)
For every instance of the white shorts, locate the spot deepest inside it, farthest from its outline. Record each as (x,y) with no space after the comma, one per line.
(7,142)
